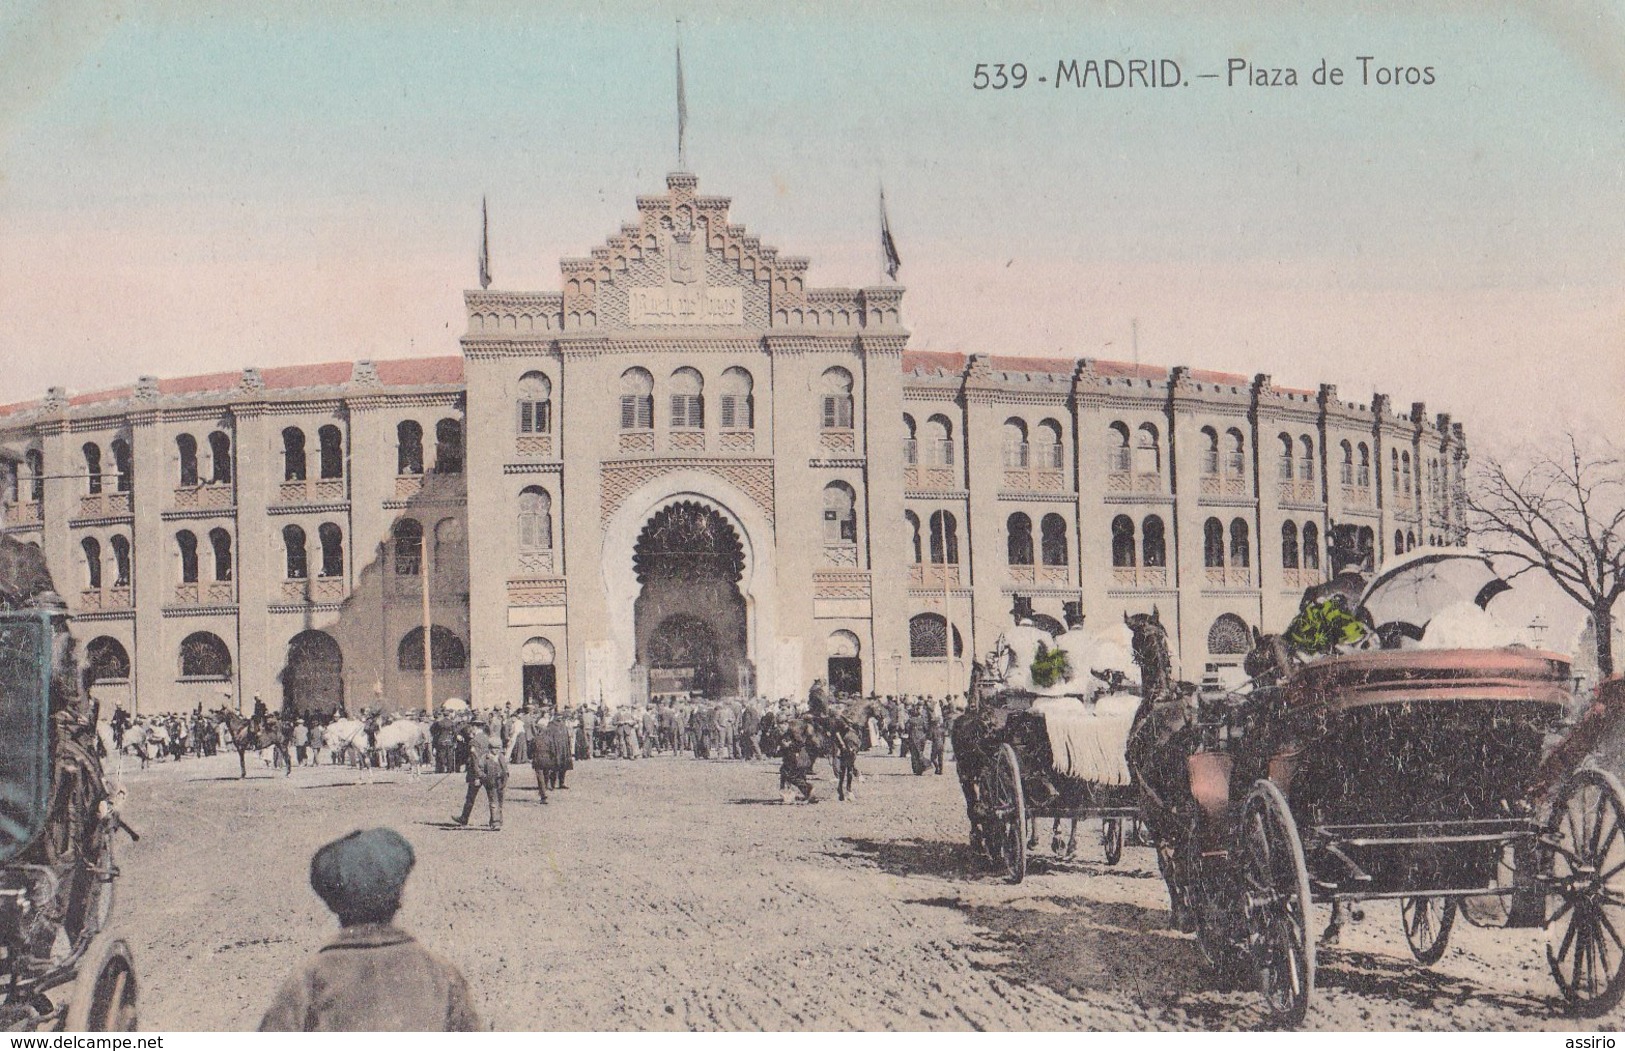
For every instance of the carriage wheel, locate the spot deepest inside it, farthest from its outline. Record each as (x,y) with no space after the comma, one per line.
(1586,902)
(1111,838)
(1275,888)
(1009,818)
(1427,924)
(104,995)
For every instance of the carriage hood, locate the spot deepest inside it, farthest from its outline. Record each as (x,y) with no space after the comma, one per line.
(1444,594)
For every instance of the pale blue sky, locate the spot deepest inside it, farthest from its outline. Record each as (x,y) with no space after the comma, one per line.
(188,186)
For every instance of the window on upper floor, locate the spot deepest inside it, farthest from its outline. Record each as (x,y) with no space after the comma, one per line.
(220,455)
(687,400)
(840,514)
(448,447)
(331,441)
(736,407)
(1018,529)
(408,447)
(837,399)
(293,454)
(186,450)
(535,406)
(637,400)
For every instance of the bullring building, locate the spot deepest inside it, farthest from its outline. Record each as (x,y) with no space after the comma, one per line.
(687,469)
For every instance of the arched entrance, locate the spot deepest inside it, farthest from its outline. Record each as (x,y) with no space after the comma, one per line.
(539,678)
(845,666)
(689,616)
(313,678)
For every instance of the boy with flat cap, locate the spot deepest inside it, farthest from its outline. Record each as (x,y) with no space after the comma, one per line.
(374,976)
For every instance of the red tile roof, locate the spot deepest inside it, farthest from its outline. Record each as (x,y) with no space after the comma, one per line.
(406,372)
(1225,379)
(1128,370)
(1053,366)
(932,360)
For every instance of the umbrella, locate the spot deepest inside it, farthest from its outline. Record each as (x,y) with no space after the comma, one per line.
(1414,589)
(455,704)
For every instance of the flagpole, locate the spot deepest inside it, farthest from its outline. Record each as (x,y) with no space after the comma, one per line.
(682,106)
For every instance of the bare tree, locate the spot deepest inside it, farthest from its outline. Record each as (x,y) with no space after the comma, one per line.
(1564,516)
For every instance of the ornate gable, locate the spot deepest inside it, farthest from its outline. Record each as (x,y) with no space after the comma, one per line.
(683,265)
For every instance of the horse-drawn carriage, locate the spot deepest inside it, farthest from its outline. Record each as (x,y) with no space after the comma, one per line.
(1413,770)
(1044,744)
(61,965)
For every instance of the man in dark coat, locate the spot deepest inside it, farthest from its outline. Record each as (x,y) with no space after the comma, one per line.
(487,771)
(373,977)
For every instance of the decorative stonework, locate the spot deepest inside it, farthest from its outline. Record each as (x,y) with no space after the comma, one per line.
(841,555)
(840,584)
(365,374)
(252,382)
(536,591)
(686,441)
(737,441)
(622,478)
(837,441)
(146,388)
(637,441)
(536,563)
(533,445)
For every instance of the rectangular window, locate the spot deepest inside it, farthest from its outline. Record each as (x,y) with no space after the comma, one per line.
(536,417)
(837,412)
(687,412)
(637,412)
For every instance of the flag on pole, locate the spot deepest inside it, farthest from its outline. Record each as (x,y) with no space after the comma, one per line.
(485,246)
(682,109)
(887,246)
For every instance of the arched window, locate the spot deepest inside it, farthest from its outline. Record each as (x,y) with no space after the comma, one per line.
(106,658)
(1241,549)
(448,447)
(1016,450)
(928,637)
(123,465)
(1410,541)
(93,467)
(1289,545)
(637,400)
(93,562)
(1393,455)
(1210,451)
(293,548)
(1348,462)
(121,560)
(186,449)
(1213,544)
(409,447)
(535,404)
(1306,458)
(1367,544)
(1117,449)
(687,400)
(1153,545)
(840,514)
(1229,636)
(1235,460)
(1054,543)
(1405,473)
(734,400)
(186,547)
(293,454)
(1050,453)
(939,432)
(1311,546)
(331,440)
(220,453)
(220,542)
(1019,540)
(1286,457)
(332,541)
(1122,542)
(1147,450)
(944,538)
(837,388)
(36,473)
(1399,542)
(911,444)
(203,655)
(913,522)
(1362,475)
(446,650)
(408,536)
(535,519)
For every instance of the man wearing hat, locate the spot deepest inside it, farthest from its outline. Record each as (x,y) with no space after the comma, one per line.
(373,976)
(487,769)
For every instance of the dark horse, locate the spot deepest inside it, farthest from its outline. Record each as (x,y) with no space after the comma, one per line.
(252,735)
(803,740)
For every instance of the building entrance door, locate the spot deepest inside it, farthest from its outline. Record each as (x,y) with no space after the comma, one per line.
(689,615)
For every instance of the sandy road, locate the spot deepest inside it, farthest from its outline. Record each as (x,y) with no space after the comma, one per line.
(675,894)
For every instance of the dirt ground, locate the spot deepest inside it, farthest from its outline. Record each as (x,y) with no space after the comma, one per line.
(673,894)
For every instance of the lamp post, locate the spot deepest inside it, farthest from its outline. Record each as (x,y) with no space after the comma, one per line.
(1537,631)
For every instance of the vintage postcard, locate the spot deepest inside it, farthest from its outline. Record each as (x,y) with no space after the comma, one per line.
(830,516)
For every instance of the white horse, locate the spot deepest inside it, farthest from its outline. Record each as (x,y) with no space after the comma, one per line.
(345,737)
(406,738)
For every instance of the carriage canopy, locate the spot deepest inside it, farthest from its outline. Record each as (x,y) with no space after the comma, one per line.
(1442,587)
(25,744)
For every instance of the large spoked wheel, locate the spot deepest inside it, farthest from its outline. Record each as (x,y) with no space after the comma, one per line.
(1586,899)
(1111,839)
(1009,818)
(1427,926)
(1275,895)
(104,995)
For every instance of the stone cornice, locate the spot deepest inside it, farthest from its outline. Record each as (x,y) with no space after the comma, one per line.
(547,467)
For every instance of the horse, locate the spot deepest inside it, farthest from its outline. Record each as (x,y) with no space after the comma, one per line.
(1161,740)
(403,740)
(823,737)
(252,736)
(346,736)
